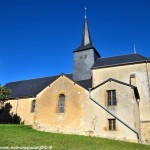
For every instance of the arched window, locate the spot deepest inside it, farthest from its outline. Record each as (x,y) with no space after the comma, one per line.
(33,106)
(61,103)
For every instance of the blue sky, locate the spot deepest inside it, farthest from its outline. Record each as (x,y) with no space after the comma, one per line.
(38,37)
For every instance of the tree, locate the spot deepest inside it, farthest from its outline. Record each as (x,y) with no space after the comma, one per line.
(4,93)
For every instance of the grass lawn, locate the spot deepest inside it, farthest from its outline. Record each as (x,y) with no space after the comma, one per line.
(19,135)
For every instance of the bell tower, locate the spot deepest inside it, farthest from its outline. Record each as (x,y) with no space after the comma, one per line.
(84,56)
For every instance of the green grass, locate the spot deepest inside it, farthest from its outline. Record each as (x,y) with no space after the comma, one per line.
(19,135)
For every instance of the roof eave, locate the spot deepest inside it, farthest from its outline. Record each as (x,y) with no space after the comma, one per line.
(84,49)
(121,64)
(114,80)
(21,97)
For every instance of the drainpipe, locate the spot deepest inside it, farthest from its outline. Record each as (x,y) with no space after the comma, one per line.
(114,116)
(140,137)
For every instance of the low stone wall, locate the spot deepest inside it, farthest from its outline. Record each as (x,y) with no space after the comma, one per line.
(80,131)
(145,132)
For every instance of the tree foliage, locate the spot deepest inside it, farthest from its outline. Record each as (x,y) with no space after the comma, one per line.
(4,93)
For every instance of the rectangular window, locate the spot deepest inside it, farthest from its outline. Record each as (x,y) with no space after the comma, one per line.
(111,95)
(112,124)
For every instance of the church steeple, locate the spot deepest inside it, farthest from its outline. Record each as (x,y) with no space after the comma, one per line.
(86,38)
(86,42)
(84,56)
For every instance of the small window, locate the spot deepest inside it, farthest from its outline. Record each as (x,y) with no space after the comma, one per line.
(61,103)
(83,57)
(33,106)
(112,124)
(111,97)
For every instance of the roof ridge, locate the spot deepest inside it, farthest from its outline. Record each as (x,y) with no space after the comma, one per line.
(143,56)
(120,60)
(36,78)
(121,55)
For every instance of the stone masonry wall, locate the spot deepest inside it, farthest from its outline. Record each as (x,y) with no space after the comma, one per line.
(145,132)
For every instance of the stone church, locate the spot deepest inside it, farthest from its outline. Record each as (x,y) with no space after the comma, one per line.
(103,97)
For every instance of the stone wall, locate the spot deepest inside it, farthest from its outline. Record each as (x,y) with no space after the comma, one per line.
(22,107)
(126,110)
(145,132)
(48,118)
(123,73)
(142,81)
(82,116)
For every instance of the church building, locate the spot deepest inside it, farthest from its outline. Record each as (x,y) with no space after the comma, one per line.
(102,97)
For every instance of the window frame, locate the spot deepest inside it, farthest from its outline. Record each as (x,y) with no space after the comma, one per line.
(112,124)
(111,98)
(33,106)
(61,103)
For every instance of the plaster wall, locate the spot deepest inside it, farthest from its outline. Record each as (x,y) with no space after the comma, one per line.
(22,107)
(142,80)
(48,118)
(126,110)
(81,115)
(145,131)
(123,73)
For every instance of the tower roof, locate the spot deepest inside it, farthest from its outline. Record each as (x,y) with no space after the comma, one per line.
(86,42)
(86,38)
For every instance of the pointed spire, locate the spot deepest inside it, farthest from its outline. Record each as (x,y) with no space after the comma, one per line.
(134,49)
(85,11)
(86,42)
(86,38)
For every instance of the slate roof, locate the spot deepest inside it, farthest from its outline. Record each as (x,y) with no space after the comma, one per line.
(86,43)
(86,38)
(84,47)
(30,88)
(119,60)
(114,80)
(85,83)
